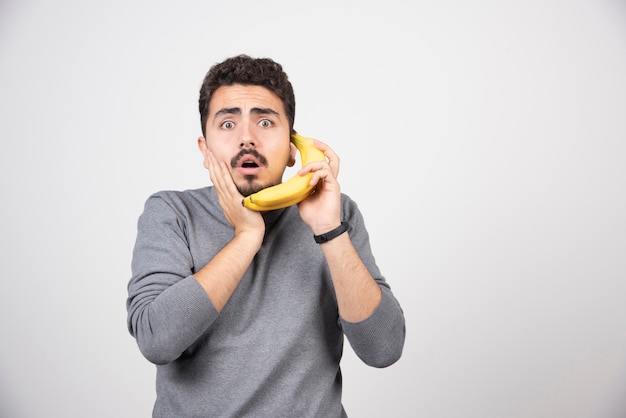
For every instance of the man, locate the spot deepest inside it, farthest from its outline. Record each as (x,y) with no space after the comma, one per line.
(243,312)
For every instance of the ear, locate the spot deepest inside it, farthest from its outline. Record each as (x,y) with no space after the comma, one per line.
(292,155)
(204,150)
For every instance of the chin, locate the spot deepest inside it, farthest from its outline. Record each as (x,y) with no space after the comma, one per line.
(250,186)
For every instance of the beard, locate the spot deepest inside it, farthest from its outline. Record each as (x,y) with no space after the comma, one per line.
(251,186)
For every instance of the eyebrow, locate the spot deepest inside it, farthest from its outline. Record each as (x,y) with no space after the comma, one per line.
(254,110)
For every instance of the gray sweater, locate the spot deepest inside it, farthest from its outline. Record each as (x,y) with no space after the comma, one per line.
(275,348)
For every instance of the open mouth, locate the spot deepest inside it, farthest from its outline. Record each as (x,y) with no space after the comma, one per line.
(249,164)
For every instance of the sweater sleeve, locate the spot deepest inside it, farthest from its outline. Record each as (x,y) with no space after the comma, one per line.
(379,339)
(167,308)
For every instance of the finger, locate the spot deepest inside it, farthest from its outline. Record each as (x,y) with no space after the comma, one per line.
(322,175)
(214,171)
(313,167)
(331,156)
(221,178)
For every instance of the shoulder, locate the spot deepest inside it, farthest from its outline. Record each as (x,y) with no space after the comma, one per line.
(349,207)
(183,201)
(184,196)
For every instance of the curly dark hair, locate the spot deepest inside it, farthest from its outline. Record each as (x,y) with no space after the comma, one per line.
(243,69)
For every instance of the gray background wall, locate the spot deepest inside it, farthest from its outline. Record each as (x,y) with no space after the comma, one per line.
(484,141)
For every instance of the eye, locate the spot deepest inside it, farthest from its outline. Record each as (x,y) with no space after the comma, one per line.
(227,125)
(265,123)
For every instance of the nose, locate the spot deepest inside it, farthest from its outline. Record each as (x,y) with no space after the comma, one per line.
(247,139)
(247,143)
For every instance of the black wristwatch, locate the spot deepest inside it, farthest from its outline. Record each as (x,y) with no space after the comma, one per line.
(320,239)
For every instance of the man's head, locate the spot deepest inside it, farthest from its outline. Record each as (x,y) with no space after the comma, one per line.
(247,110)
(245,70)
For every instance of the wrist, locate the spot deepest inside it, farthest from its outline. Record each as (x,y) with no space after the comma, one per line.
(331,234)
(321,227)
(250,237)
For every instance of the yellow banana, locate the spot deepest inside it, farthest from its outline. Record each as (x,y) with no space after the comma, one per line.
(292,191)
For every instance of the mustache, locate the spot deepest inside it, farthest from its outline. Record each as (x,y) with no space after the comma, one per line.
(244,152)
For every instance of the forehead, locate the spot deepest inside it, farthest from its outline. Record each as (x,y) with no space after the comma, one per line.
(245,98)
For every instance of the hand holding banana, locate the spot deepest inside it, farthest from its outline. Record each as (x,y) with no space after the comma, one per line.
(292,191)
